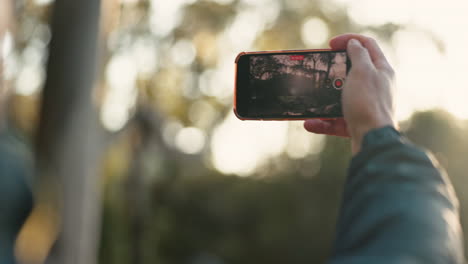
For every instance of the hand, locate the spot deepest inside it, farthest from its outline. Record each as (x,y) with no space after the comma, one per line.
(367,96)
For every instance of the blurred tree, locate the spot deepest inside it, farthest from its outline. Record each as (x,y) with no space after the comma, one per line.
(327,59)
(314,58)
(444,135)
(167,66)
(245,225)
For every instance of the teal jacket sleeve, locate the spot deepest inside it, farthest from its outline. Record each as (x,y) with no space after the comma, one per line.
(398,207)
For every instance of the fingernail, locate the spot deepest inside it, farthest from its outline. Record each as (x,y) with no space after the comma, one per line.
(354,42)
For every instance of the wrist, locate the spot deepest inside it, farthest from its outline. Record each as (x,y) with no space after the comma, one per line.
(357,135)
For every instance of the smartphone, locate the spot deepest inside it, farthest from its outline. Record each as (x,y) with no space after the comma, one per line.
(291,84)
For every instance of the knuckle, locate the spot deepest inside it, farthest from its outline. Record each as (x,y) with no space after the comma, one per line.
(371,41)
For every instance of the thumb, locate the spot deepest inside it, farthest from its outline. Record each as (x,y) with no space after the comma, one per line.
(358,55)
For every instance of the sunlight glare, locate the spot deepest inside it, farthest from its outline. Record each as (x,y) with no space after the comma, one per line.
(314,32)
(239,147)
(422,74)
(372,12)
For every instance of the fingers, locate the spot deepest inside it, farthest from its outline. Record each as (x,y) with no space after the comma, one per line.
(334,127)
(340,42)
(317,126)
(377,56)
(359,55)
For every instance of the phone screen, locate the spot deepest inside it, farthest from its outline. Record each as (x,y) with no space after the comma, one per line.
(294,85)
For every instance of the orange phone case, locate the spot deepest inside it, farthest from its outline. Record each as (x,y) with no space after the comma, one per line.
(266,52)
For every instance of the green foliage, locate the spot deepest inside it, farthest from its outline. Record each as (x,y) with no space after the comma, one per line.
(284,218)
(242,220)
(445,136)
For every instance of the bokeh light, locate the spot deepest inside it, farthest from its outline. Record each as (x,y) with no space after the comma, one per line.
(183,52)
(121,74)
(240,146)
(314,32)
(302,144)
(190,140)
(43,2)
(6,44)
(31,77)
(166,15)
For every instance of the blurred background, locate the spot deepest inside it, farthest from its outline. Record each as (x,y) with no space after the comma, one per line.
(118,141)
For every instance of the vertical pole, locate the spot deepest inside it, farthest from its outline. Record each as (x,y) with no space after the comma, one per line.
(67,148)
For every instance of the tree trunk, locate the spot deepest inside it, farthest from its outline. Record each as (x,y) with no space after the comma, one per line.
(67,147)
(330,63)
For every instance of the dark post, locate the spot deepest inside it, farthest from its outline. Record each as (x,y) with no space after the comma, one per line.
(67,146)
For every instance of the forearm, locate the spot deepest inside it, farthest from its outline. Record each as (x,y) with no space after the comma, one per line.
(398,207)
